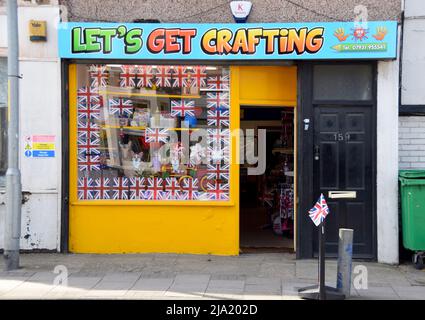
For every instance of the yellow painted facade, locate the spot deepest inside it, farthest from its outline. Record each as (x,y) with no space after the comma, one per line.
(119,226)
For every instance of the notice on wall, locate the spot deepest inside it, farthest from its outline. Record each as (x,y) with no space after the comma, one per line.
(40,146)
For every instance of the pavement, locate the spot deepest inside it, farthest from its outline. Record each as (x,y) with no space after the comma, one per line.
(270,276)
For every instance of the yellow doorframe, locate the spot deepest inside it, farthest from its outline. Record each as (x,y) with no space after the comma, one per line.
(255,93)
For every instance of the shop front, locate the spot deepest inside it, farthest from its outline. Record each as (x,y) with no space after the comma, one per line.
(217,139)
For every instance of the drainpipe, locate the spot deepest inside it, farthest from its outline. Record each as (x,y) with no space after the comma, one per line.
(12,232)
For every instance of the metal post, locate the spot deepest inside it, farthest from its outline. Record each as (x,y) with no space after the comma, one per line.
(322,266)
(345,255)
(12,224)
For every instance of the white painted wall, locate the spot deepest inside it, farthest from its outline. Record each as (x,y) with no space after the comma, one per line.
(40,113)
(387,161)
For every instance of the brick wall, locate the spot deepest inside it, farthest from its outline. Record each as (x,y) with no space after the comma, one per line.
(411,142)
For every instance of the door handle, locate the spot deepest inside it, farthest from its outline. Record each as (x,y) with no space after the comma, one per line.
(341,194)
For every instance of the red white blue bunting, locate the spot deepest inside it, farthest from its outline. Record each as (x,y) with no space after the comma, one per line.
(121,107)
(218,172)
(218,118)
(98,75)
(218,100)
(219,82)
(153,135)
(182,108)
(218,191)
(120,188)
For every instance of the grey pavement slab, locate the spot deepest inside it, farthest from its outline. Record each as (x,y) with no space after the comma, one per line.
(150,287)
(173,276)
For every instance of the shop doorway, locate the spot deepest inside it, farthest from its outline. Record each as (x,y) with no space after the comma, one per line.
(267,200)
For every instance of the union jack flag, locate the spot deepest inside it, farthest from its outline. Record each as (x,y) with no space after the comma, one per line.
(121,106)
(137,185)
(98,75)
(217,137)
(180,76)
(197,77)
(218,171)
(182,108)
(218,191)
(87,189)
(156,135)
(188,189)
(219,82)
(218,100)
(144,76)
(320,210)
(164,195)
(89,104)
(172,186)
(163,77)
(146,195)
(215,155)
(120,188)
(128,76)
(88,161)
(154,185)
(88,146)
(217,117)
(88,132)
(102,184)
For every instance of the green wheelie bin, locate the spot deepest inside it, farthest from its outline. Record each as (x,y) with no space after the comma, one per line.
(412,196)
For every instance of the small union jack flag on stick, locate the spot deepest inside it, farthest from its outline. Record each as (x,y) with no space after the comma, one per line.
(219,82)
(153,135)
(121,107)
(219,100)
(320,210)
(98,75)
(183,108)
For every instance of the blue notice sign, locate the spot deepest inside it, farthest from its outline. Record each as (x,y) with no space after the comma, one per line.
(43,153)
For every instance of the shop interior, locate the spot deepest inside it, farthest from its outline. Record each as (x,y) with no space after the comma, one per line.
(267,200)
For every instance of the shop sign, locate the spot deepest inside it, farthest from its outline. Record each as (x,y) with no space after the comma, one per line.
(264,41)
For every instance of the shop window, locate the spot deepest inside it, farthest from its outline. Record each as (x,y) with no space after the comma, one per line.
(3,120)
(342,82)
(153,132)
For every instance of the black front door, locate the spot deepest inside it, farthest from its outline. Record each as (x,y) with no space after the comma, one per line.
(344,161)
